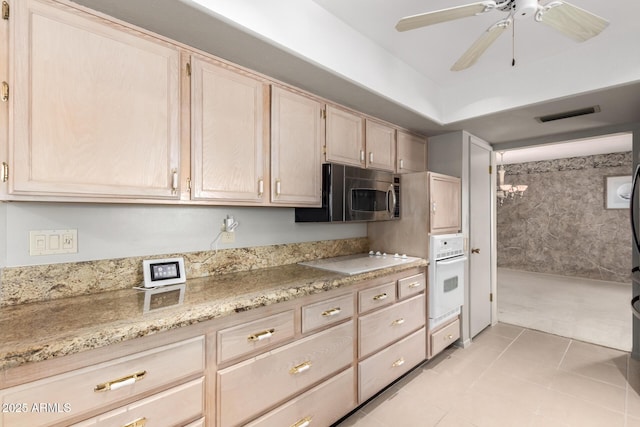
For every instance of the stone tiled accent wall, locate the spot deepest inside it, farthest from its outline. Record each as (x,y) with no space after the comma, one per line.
(20,285)
(561,225)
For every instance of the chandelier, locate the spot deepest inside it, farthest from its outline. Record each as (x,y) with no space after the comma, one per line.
(507,191)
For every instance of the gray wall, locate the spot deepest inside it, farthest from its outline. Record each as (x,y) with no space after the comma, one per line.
(561,225)
(108,231)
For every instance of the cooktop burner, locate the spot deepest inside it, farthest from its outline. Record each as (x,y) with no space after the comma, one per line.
(360,263)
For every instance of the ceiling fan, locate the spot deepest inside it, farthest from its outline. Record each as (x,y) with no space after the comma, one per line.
(570,20)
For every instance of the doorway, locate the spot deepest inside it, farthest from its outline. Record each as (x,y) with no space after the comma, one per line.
(561,230)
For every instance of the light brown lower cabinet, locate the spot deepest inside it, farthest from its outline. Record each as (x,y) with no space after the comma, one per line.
(387,365)
(104,385)
(444,336)
(320,406)
(293,363)
(248,388)
(173,407)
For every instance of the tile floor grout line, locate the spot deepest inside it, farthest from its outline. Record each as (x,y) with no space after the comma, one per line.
(564,355)
(495,360)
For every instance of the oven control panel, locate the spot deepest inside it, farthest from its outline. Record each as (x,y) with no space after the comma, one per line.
(446,246)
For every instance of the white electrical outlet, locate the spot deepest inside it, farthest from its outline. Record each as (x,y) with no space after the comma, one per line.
(228,237)
(53,242)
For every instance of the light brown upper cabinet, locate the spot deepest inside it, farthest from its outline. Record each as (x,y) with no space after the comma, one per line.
(229,134)
(94,108)
(297,134)
(444,203)
(381,146)
(345,137)
(411,153)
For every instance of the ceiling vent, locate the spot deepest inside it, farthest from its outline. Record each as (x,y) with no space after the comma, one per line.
(568,114)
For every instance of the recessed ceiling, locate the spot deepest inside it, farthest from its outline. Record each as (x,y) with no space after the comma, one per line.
(616,143)
(349,52)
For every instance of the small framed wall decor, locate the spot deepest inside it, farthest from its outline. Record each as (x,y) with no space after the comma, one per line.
(617,192)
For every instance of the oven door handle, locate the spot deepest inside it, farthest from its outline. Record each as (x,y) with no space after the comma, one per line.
(452,261)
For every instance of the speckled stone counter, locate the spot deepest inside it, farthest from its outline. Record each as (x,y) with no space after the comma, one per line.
(45,330)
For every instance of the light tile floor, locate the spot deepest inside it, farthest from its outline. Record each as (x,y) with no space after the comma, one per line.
(594,311)
(513,376)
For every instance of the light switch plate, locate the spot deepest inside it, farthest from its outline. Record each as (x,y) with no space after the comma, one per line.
(53,242)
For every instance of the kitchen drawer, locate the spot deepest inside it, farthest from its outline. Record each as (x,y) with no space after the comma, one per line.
(386,366)
(375,297)
(320,406)
(327,312)
(253,386)
(245,338)
(444,337)
(389,324)
(411,285)
(169,408)
(77,389)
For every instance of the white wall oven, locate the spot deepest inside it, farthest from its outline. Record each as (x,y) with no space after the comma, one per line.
(446,278)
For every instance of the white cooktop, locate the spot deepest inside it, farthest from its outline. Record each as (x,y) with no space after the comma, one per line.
(360,263)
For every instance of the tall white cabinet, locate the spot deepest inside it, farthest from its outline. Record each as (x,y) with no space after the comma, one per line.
(465,156)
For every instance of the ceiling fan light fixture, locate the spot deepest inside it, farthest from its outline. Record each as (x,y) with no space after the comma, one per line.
(525,8)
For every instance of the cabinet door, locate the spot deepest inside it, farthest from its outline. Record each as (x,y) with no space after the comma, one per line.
(95,108)
(381,146)
(412,153)
(297,132)
(345,142)
(444,200)
(228,127)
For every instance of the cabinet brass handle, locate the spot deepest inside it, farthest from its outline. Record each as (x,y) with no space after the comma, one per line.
(450,337)
(361,156)
(277,187)
(370,156)
(380,297)
(332,312)
(5,172)
(262,335)
(121,382)
(5,92)
(305,422)
(300,368)
(475,250)
(260,187)
(401,164)
(140,422)
(414,284)
(398,362)
(399,321)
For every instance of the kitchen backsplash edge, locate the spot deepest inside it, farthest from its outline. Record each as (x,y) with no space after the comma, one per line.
(19,285)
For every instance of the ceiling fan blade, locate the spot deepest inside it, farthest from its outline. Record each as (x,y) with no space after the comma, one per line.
(571,20)
(481,45)
(444,15)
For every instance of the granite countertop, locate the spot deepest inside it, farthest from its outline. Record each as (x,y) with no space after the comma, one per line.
(44,330)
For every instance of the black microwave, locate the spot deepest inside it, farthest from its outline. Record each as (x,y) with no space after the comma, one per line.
(354,194)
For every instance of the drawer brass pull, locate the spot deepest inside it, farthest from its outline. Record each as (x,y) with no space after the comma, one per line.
(399,321)
(140,422)
(332,312)
(5,92)
(259,336)
(305,422)
(398,362)
(300,368)
(450,336)
(380,297)
(121,382)
(414,284)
